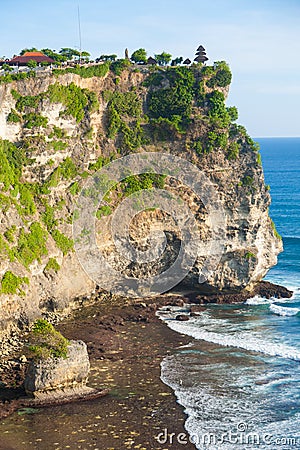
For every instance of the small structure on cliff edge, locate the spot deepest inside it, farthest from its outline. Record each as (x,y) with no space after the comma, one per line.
(201,54)
(151,61)
(187,61)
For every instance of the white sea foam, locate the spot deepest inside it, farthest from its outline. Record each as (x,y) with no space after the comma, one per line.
(258,301)
(284,311)
(244,340)
(213,412)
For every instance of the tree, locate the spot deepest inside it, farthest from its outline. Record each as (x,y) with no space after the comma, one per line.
(31,64)
(33,49)
(233,113)
(139,56)
(85,56)
(111,58)
(45,63)
(52,54)
(69,53)
(6,67)
(177,61)
(163,58)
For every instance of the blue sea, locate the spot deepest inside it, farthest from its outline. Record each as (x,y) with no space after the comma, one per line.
(238,379)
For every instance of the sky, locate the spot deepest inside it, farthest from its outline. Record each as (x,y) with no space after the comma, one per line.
(260,39)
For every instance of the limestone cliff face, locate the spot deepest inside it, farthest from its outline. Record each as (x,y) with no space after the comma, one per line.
(75,140)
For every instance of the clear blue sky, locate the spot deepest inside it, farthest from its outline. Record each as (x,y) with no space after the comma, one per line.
(260,39)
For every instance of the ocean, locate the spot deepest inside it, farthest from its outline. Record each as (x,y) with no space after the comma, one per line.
(238,379)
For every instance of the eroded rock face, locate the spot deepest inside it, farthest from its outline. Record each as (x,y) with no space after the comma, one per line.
(250,244)
(57,374)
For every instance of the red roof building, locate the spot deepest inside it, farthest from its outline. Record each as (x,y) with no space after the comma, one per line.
(22,60)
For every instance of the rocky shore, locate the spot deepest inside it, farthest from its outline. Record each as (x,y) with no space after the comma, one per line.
(102,323)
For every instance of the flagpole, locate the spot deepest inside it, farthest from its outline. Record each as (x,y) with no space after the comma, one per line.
(79,30)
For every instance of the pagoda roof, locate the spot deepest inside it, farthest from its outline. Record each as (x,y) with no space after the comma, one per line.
(187,61)
(201,59)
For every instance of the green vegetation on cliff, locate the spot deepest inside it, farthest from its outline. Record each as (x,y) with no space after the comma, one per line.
(46,342)
(42,174)
(12,284)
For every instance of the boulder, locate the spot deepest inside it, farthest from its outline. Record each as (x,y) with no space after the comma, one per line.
(54,374)
(182,317)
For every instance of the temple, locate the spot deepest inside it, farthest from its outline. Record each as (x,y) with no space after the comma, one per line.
(23,60)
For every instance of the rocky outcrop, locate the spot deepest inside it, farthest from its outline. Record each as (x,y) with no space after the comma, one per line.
(58,374)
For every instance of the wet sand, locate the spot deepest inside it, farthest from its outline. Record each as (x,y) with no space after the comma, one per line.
(126,346)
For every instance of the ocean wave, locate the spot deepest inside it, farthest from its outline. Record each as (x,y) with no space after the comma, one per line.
(258,301)
(284,310)
(245,341)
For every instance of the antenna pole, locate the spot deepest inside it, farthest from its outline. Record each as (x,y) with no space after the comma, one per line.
(79,30)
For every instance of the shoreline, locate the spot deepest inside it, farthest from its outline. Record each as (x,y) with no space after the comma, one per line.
(126,343)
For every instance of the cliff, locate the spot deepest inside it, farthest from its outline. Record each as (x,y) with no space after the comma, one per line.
(58,129)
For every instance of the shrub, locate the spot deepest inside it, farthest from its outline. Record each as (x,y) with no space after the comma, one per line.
(104,210)
(46,342)
(118,66)
(26,200)
(64,243)
(32,246)
(197,146)
(74,188)
(5,250)
(221,75)
(247,181)
(12,161)
(11,283)
(85,72)
(68,169)
(167,127)
(48,217)
(175,100)
(233,151)
(54,178)
(258,159)
(35,120)
(75,99)
(101,161)
(52,264)
(59,133)
(27,101)
(13,117)
(9,234)
(16,76)
(58,146)
(216,140)
(276,234)
(217,110)
(250,255)
(233,113)
(122,106)
(135,183)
